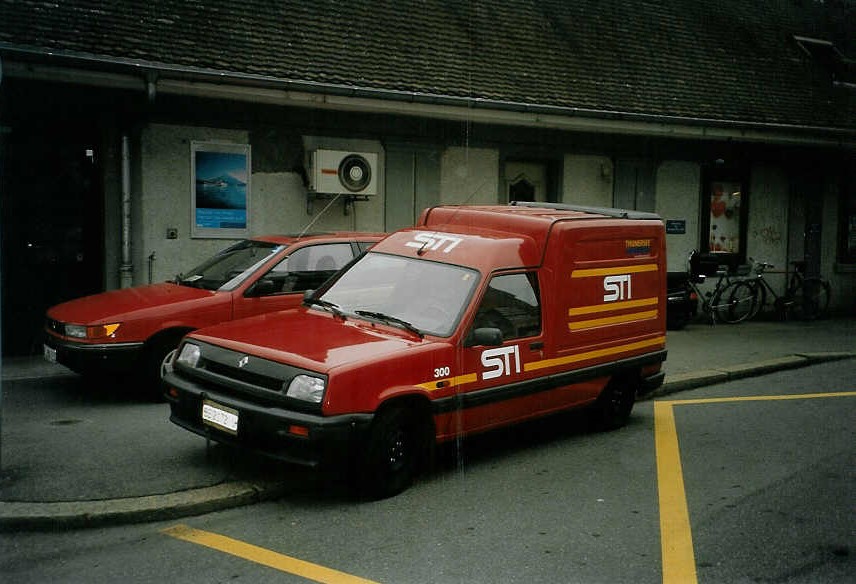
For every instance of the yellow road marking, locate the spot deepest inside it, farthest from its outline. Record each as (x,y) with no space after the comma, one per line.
(676,542)
(263,556)
(588,273)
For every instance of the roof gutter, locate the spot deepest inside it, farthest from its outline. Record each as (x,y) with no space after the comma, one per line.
(154,77)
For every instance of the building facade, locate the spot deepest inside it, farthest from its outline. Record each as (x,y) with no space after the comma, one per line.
(106,142)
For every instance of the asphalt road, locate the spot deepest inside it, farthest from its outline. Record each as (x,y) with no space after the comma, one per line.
(767,486)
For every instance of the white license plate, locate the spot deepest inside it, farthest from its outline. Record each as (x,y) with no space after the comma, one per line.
(219,416)
(50,354)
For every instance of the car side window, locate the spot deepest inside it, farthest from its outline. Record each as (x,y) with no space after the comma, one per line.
(309,267)
(511,304)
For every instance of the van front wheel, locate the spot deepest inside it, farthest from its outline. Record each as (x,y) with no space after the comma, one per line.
(613,406)
(392,453)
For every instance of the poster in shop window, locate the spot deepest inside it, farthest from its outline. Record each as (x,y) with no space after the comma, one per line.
(725,217)
(220,191)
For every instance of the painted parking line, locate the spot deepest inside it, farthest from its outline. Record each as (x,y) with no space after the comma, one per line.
(263,556)
(676,541)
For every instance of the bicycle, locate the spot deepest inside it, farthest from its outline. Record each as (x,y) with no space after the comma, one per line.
(725,302)
(806,298)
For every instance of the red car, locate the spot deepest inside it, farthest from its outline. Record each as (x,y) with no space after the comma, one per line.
(137,329)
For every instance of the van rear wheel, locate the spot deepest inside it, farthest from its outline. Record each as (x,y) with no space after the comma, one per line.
(614,404)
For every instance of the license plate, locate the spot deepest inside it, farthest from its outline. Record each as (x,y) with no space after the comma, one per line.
(50,354)
(219,416)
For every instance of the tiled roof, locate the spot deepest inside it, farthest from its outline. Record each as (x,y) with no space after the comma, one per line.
(727,60)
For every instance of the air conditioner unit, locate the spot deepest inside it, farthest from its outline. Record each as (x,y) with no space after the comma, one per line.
(341,172)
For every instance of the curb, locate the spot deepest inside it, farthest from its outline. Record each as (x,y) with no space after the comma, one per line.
(696,379)
(77,514)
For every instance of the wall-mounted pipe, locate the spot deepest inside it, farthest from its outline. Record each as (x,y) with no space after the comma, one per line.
(126,271)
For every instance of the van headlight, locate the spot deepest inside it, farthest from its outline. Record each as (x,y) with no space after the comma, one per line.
(306,388)
(189,355)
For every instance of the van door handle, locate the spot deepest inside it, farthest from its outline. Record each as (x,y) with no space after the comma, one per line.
(536,346)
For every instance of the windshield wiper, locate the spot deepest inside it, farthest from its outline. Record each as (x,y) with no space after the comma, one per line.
(331,306)
(390,319)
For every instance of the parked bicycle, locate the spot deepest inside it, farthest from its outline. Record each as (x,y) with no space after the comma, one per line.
(727,302)
(806,298)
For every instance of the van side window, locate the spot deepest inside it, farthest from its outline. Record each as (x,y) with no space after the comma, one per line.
(511,304)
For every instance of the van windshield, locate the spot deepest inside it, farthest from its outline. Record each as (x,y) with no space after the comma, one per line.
(228,268)
(428,295)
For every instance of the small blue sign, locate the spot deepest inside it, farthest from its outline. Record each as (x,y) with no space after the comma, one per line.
(676,226)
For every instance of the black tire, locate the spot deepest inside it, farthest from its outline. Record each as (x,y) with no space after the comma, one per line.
(393,454)
(157,361)
(615,403)
(811,300)
(736,302)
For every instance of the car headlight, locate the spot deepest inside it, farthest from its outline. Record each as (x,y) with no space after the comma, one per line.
(306,388)
(80,331)
(189,355)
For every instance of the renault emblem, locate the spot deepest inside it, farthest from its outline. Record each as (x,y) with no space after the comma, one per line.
(243,361)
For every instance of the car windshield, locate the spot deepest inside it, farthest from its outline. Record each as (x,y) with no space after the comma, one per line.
(230,267)
(421,295)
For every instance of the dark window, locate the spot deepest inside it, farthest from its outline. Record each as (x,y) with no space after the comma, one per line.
(511,304)
(847,224)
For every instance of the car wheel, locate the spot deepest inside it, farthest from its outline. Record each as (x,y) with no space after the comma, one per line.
(158,364)
(613,406)
(392,454)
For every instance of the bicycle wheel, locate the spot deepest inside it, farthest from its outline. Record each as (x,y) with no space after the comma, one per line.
(736,302)
(811,299)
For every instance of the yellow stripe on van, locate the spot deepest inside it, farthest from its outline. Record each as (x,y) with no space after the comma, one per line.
(534,366)
(452,382)
(591,272)
(610,306)
(620,319)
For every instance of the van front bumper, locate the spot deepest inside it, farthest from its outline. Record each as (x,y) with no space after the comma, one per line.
(300,438)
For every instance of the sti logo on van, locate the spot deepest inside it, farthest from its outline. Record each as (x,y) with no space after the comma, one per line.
(616,288)
(432,241)
(499,361)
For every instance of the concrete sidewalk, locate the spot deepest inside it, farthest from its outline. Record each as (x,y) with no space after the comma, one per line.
(75,456)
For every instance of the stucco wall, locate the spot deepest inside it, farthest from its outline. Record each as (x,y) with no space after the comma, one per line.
(469,176)
(587,180)
(767,229)
(163,200)
(677,198)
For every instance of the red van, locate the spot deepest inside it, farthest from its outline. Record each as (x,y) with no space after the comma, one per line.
(137,329)
(477,318)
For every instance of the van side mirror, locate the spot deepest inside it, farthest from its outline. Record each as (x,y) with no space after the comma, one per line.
(488,337)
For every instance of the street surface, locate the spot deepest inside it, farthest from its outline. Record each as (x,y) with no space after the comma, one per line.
(737,490)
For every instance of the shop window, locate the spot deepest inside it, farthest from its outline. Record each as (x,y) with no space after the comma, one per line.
(724,218)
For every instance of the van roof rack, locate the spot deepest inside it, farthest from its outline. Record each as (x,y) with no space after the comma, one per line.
(608,211)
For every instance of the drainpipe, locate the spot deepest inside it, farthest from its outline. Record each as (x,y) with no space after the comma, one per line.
(127,269)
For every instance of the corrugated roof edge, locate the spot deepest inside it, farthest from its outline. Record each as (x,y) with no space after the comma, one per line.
(608,211)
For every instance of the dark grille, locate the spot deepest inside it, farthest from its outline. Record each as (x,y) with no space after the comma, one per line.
(257,379)
(55,326)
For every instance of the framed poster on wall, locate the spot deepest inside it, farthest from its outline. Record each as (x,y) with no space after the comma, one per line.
(220,189)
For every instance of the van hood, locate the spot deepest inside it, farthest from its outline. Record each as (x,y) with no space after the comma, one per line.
(310,339)
(119,304)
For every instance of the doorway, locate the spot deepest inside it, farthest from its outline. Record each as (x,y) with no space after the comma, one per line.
(52,225)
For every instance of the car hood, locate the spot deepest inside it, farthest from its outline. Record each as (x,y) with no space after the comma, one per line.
(310,339)
(117,304)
